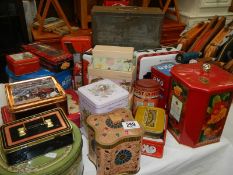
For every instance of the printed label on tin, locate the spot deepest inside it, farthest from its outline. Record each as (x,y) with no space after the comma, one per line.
(130,125)
(176,108)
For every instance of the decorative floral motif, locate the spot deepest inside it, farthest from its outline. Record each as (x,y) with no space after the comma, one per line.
(122,157)
(103,90)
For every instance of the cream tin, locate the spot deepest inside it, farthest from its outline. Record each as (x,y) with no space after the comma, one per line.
(113,58)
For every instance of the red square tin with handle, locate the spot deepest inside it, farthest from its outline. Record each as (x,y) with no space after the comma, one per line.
(200,98)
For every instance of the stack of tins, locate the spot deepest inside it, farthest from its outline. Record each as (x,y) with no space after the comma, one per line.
(113,148)
(199,102)
(63,161)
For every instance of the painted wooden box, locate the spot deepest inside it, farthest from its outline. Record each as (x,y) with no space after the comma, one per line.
(112,148)
(124,79)
(35,135)
(101,97)
(154,122)
(32,96)
(127,26)
(64,161)
(199,102)
(113,58)
(23,63)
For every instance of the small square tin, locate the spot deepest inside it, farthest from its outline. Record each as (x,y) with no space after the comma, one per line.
(113,148)
(161,73)
(199,102)
(32,96)
(23,63)
(35,135)
(101,97)
(113,58)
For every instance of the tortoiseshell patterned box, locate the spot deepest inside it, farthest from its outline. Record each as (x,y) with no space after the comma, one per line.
(35,135)
(112,148)
(32,96)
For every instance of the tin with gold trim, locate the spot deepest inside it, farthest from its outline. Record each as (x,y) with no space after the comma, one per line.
(112,148)
(35,135)
(32,96)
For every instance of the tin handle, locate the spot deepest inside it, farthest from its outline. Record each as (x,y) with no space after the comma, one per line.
(206,67)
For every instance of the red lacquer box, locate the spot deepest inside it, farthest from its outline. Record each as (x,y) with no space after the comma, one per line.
(6,115)
(23,63)
(161,73)
(200,98)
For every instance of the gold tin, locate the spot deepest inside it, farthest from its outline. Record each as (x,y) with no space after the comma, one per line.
(32,96)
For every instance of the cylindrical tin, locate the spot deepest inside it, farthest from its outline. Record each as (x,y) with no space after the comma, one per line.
(146,93)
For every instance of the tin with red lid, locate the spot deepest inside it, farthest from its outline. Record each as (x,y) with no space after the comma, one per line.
(146,93)
(199,101)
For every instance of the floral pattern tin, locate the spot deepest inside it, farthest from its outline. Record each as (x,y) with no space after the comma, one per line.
(199,102)
(112,148)
(63,161)
(27,97)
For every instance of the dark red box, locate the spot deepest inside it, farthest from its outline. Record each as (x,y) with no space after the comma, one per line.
(23,63)
(6,115)
(199,102)
(161,73)
(51,58)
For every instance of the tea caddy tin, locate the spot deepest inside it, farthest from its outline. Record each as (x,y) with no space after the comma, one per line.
(32,96)
(112,148)
(23,63)
(161,73)
(113,58)
(146,93)
(101,97)
(154,122)
(63,161)
(35,135)
(199,102)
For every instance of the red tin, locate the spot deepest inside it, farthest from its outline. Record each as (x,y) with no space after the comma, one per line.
(146,93)
(76,44)
(199,102)
(116,2)
(51,58)
(23,63)
(6,115)
(161,73)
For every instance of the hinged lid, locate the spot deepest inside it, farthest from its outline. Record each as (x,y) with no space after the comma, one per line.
(204,77)
(102,93)
(108,127)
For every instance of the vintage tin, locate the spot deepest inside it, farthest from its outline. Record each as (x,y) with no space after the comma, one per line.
(124,79)
(137,24)
(199,102)
(35,135)
(101,97)
(23,63)
(87,60)
(32,96)
(113,58)
(113,148)
(51,58)
(6,115)
(154,122)
(63,161)
(161,73)
(146,93)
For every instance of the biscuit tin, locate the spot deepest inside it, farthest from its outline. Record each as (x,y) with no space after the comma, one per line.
(35,135)
(32,96)
(64,161)
(113,58)
(23,63)
(199,102)
(113,148)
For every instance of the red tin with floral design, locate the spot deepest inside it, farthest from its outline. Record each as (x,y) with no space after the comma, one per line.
(199,102)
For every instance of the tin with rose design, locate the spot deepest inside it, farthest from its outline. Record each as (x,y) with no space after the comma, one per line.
(199,102)
(114,148)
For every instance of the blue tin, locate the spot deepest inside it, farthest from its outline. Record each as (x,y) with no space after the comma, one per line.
(64,77)
(165,68)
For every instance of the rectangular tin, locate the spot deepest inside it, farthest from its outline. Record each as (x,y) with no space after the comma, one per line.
(32,96)
(35,135)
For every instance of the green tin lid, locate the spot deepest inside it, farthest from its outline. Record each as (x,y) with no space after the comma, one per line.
(67,160)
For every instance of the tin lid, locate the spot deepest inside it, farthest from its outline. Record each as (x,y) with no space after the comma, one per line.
(102,93)
(56,162)
(22,58)
(165,68)
(203,77)
(147,84)
(109,129)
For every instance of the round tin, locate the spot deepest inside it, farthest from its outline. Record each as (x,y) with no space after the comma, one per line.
(146,93)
